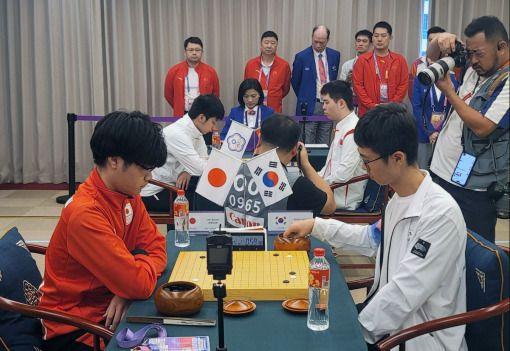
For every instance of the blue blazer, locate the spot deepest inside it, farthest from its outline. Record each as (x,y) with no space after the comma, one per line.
(304,76)
(237,114)
(422,107)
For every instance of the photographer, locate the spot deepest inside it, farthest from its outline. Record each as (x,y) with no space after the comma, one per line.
(470,160)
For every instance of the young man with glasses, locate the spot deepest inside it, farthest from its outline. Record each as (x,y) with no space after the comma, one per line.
(190,78)
(105,249)
(420,265)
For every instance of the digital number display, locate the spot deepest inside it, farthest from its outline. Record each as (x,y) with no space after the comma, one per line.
(248,240)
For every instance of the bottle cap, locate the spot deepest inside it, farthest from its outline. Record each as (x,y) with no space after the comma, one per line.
(180,192)
(319,251)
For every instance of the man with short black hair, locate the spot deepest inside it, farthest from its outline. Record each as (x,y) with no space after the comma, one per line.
(190,78)
(312,68)
(343,161)
(272,71)
(187,152)
(477,126)
(380,76)
(106,250)
(310,191)
(420,262)
(363,42)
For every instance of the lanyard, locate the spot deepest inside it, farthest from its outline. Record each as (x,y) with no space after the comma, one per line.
(377,69)
(445,102)
(187,85)
(261,71)
(246,117)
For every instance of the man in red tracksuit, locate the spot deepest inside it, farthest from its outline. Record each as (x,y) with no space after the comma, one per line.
(380,76)
(190,78)
(272,72)
(106,250)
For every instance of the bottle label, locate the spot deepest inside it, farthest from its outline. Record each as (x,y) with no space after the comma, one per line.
(181,214)
(319,278)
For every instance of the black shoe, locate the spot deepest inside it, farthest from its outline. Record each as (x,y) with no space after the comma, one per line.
(503,215)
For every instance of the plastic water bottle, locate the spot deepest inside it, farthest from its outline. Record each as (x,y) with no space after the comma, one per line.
(181,219)
(318,292)
(216,140)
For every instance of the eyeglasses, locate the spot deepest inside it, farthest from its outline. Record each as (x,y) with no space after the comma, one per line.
(146,168)
(366,162)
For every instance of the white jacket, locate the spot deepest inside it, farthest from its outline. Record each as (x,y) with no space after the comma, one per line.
(409,289)
(186,150)
(343,163)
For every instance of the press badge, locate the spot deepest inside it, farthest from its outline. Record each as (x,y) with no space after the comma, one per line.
(436,120)
(383,92)
(463,169)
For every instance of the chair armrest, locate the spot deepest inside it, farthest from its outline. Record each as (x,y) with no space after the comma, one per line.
(360,283)
(444,323)
(61,317)
(350,181)
(169,187)
(38,249)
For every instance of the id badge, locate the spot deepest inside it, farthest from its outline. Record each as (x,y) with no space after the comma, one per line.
(463,169)
(383,92)
(436,120)
(265,96)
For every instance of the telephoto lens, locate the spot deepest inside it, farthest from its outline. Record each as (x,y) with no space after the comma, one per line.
(440,68)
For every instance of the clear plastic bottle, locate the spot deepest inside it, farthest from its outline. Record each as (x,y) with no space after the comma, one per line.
(318,292)
(181,219)
(216,140)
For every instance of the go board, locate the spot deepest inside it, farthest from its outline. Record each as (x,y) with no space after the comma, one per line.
(256,275)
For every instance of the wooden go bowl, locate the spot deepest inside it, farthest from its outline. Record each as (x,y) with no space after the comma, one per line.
(179,299)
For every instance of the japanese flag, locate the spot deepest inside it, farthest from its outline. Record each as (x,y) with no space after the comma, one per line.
(237,139)
(268,173)
(218,176)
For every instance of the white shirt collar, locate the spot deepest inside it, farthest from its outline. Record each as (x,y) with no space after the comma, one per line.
(316,53)
(343,121)
(194,132)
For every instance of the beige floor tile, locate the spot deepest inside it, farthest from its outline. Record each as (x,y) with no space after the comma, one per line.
(503,230)
(13,211)
(5,193)
(34,194)
(359,295)
(21,202)
(45,211)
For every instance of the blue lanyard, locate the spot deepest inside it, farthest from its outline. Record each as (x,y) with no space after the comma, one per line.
(432,93)
(256,120)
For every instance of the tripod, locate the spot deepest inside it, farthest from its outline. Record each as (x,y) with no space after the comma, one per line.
(220,291)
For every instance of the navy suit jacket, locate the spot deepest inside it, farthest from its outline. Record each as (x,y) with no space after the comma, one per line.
(237,114)
(304,76)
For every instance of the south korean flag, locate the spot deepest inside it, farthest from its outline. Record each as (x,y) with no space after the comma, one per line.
(268,173)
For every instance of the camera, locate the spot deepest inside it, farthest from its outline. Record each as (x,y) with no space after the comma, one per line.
(219,255)
(440,68)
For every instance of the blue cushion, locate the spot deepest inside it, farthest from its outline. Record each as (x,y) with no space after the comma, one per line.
(372,197)
(486,284)
(19,281)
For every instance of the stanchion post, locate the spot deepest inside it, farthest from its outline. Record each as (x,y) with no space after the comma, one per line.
(71,120)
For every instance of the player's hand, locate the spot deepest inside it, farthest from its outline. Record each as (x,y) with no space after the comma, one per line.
(182,181)
(115,312)
(299,229)
(349,77)
(303,154)
(433,137)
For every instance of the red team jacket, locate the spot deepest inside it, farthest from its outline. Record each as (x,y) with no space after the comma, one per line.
(279,80)
(366,85)
(89,256)
(208,83)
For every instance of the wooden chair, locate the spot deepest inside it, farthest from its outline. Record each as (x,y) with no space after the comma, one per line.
(165,218)
(401,337)
(361,215)
(96,330)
